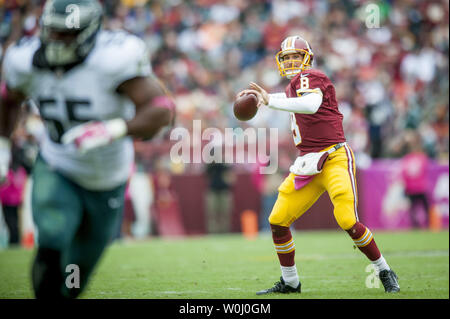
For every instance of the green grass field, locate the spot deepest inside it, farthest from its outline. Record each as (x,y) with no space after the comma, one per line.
(232,267)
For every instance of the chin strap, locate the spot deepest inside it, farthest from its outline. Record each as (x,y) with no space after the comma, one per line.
(40,62)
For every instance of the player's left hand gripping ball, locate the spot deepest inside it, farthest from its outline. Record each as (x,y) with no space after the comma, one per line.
(93,135)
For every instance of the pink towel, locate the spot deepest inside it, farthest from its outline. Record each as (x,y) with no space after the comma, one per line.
(301,180)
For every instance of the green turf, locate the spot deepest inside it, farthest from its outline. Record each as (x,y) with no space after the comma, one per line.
(230,267)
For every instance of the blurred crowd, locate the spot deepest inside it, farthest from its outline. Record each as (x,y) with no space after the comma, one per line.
(389,79)
(391,74)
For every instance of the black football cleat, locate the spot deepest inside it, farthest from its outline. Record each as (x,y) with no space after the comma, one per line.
(389,280)
(280,287)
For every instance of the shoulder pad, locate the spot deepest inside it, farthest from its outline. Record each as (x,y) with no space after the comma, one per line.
(17,63)
(121,56)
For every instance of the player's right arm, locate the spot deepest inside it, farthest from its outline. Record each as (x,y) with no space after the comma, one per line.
(308,103)
(154,109)
(305,104)
(129,75)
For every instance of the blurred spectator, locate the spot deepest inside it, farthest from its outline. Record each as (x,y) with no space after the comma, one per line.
(141,198)
(26,143)
(11,198)
(128,217)
(218,198)
(165,211)
(269,197)
(15,194)
(415,178)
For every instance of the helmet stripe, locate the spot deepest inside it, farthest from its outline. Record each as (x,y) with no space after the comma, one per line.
(307,44)
(288,44)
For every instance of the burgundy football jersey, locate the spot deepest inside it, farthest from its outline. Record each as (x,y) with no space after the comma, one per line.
(314,132)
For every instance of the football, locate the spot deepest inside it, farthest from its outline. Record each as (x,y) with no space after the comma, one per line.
(245,107)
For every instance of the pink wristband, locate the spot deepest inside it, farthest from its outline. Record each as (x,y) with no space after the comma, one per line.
(164,102)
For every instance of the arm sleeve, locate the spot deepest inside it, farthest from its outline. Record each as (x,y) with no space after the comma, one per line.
(306,104)
(280,95)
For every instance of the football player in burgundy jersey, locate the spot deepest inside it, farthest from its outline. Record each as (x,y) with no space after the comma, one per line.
(316,125)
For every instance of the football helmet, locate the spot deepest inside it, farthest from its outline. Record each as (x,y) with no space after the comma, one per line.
(80,20)
(290,67)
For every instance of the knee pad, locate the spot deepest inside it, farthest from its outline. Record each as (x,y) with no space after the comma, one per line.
(347,222)
(272,220)
(279,215)
(344,213)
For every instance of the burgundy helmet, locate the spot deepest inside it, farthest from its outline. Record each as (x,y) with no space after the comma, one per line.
(290,45)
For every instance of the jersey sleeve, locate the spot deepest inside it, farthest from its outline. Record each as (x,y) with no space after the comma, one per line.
(131,60)
(16,68)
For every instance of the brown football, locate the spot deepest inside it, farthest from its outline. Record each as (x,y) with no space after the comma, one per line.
(245,107)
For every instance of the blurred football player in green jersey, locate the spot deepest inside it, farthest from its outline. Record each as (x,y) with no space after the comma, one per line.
(95,91)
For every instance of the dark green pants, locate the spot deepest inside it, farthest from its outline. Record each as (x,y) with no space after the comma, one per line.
(74,223)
